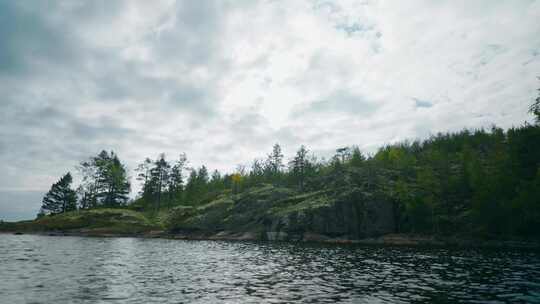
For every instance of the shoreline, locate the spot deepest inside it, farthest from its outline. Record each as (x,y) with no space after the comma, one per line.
(389,240)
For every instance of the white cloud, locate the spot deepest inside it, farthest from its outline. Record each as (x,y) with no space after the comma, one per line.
(224,80)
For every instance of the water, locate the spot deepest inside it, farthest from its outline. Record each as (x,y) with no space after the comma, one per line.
(43,269)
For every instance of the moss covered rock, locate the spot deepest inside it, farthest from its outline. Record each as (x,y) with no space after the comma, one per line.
(276,213)
(96,221)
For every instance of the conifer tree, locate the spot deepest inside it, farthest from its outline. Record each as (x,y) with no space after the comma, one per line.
(176,179)
(299,166)
(60,198)
(191,187)
(535,108)
(274,164)
(143,176)
(105,179)
(357,158)
(160,178)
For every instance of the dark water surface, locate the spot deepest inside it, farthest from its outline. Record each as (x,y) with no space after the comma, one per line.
(43,269)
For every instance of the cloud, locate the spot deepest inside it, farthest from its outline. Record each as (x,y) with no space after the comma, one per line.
(27,37)
(340,101)
(225,80)
(418,103)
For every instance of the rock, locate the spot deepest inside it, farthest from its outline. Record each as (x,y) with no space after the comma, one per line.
(314,237)
(352,215)
(276,236)
(278,214)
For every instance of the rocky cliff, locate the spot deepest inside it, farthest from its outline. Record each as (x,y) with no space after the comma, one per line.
(274,213)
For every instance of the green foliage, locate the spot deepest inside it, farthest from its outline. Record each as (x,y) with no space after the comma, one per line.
(485,183)
(468,182)
(176,179)
(60,198)
(274,165)
(105,182)
(535,109)
(357,158)
(97,221)
(419,214)
(300,167)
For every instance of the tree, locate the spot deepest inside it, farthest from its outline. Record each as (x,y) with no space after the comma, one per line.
(274,163)
(526,208)
(357,158)
(115,183)
(176,179)
(335,176)
(202,181)
(197,185)
(216,181)
(535,108)
(87,190)
(86,200)
(236,181)
(143,176)
(343,154)
(60,198)
(257,169)
(191,187)
(299,167)
(105,181)
(159,176)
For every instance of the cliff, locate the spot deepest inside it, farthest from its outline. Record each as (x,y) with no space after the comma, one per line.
(275,213)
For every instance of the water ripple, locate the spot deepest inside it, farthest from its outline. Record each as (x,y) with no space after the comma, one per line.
(39,269)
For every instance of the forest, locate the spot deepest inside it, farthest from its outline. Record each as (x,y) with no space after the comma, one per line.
(482,182)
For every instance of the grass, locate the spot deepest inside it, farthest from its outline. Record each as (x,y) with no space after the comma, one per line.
(114,221)
(306,201)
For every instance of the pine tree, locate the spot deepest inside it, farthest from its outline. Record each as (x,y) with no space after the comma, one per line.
(216,181)
(191,187)
(160,178)
(105,181)
(143,176)
(256,173)
(535,108)
(117,182)
(202,180)
(176,179)
(299,166)
(216,176)
(274,163)
(343,154)
(357,158)
(60,198)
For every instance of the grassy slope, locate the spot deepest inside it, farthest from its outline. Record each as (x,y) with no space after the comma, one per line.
(256,209)
(241,212)
(113,221)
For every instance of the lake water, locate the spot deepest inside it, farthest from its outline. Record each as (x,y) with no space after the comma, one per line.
(46,269)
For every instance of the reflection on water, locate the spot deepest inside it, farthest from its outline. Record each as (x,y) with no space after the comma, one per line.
(40,269)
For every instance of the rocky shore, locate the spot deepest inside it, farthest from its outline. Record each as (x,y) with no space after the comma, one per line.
(266,213)
(397,240)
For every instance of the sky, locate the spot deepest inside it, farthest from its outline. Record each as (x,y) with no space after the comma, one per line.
(224,80)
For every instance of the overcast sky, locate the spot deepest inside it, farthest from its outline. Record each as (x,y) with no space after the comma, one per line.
(225,80)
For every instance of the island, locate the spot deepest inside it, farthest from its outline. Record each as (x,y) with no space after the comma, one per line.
(470,188)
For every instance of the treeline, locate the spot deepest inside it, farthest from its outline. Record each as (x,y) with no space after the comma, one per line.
(470,181)
(481,181)
(166,184)
(484,182)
